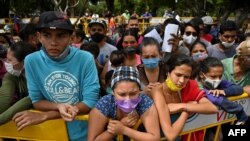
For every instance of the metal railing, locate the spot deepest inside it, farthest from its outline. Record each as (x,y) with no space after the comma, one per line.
(55,130)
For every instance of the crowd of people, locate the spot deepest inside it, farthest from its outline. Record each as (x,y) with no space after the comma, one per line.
(54,67)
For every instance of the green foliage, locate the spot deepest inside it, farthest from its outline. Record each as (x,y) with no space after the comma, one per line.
(100,8)
(94,2)
(160,11)
(30,7)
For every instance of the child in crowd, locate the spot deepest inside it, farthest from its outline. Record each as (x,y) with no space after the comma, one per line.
(94,49)
(77,38)
(217,90)
(116,59)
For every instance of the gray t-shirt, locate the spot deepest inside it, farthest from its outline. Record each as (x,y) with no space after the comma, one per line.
(105,52)
(215,51)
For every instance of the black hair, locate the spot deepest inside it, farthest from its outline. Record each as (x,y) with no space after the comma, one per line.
(196,21)
(158,28)
(228,26)
(195,43)
(116,58)
(91,47)
(21,49)
(80,33)
(26,30)
(178,60)
(196,27)
(209,62)
(108,77)
(126,33)
(170,21)
(150,41)
(6,38)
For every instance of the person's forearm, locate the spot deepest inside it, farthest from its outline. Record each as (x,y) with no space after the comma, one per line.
(105,136)
(83,109)
(179,123)
(51,115)
(21,105)
(137,135)
(45,105)
(171,131)
(233,90)
(202,108)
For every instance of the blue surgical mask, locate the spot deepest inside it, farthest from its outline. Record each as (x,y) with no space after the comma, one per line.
(151,63)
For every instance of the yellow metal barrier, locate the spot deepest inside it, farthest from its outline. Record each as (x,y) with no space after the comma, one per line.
(52,130)
(55,130)
(216,124)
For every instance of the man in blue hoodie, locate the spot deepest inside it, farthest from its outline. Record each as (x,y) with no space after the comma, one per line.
(62,80)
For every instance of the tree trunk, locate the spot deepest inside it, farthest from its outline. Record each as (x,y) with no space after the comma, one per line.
(110,5)
(72,9)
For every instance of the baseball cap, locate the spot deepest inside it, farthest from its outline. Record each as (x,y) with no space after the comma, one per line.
(54,20)
(125,73)
(97,21)
(243,48)
(208,20)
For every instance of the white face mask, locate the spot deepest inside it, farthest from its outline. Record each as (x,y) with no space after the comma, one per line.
(227,45)
(189,39)
(212,83)
(10,69)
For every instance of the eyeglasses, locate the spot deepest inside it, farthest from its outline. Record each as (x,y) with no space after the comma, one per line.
(188,33)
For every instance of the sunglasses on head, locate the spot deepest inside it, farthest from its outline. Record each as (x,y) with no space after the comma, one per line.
(189,33)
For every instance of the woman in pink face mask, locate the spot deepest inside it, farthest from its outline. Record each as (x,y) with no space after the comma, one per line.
(198,51)
(129,45)
(124,107)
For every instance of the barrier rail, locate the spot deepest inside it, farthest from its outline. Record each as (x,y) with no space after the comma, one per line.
(49,130)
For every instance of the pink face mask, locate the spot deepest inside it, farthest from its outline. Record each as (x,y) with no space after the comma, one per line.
(129,105)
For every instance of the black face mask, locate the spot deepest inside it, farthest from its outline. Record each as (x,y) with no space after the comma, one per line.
(135,30)
(97,37)
(129,50)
